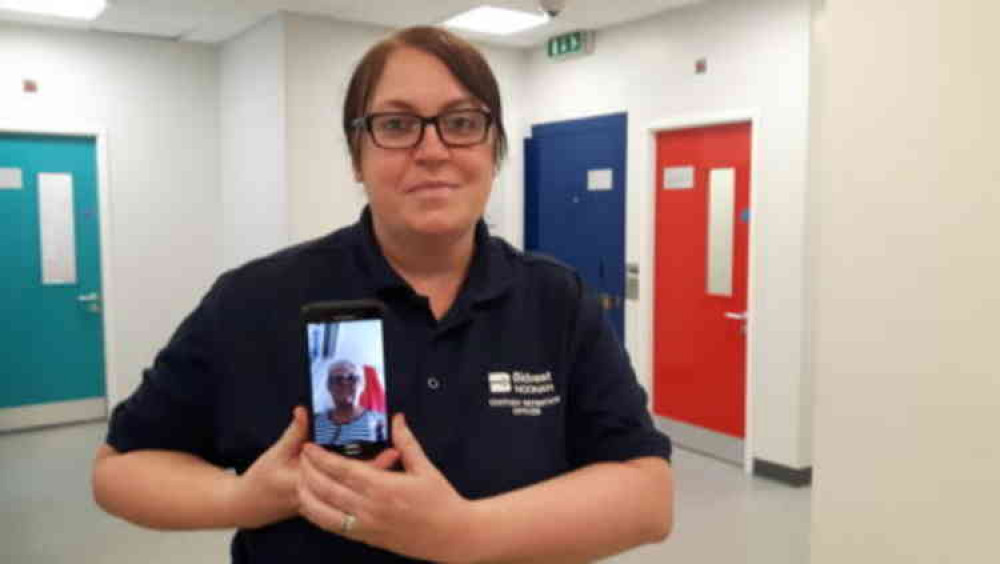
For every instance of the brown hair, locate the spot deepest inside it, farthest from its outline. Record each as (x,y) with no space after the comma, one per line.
(462,59)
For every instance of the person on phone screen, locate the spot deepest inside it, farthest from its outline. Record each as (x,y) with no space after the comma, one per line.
(347,421)
(519,430)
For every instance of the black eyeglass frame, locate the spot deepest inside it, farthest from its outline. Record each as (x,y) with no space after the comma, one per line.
(365,122)
(352,378)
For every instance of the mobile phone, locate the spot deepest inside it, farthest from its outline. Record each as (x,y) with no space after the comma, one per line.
(347,383)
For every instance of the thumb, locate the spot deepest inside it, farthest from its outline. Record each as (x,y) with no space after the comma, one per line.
(294,436)
(412,454)
(386,459)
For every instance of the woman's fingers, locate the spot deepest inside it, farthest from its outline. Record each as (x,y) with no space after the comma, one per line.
(416,513)
(321,514)
(294,436)
(354,474)
(266,492)
(414,459)
(337,467)
(386,459)
(328,489)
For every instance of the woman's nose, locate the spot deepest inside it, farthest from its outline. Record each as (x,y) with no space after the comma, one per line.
(432,147)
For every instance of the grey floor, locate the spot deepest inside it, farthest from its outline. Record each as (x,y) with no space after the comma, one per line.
(47,515)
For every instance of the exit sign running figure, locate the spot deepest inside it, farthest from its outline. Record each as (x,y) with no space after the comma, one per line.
(571,44)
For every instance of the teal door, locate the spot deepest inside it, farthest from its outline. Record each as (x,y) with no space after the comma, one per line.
(51,335)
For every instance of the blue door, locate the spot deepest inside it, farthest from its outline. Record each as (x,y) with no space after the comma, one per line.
(51,338)
(575,202)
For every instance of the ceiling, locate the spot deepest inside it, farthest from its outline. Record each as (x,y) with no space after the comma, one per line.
(212,21)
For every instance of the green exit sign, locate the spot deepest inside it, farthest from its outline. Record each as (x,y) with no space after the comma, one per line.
(571,44)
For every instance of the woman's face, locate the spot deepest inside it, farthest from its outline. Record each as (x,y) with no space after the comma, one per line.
(430,189)
(343,385)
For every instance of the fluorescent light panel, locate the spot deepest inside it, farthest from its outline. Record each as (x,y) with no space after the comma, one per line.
(496,21)
(75,9)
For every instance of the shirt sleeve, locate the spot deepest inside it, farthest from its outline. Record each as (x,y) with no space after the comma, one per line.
(608,415)
(173,407)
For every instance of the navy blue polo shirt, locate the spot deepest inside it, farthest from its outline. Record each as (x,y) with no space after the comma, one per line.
(522,380)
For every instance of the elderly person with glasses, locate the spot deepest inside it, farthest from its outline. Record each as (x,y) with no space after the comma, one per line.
(347,421)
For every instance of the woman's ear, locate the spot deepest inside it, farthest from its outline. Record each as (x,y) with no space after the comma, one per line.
(356,168)
(355,156)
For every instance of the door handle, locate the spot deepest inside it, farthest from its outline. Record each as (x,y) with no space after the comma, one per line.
(610,301)
(738,316)
(93,301)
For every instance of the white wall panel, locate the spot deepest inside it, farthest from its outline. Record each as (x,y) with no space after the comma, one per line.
(254,159)
(903,231)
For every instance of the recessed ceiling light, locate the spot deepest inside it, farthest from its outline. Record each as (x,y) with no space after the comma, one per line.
(75,9)
(496,21)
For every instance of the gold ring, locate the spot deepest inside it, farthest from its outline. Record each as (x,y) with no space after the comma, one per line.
(347,524)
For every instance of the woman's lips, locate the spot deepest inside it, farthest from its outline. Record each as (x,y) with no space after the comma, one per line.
(430,187)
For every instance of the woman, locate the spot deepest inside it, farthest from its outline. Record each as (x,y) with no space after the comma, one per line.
(347,421)
(526,436)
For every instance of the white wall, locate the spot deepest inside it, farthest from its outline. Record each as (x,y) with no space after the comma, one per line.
(320,56)
(758,59)
(505,212)
(905,225)
(254,157)
(158,102)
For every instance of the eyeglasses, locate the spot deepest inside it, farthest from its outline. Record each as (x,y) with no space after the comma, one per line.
(457,128)
(344,379)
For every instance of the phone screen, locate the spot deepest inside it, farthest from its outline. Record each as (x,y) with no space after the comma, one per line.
(348,385)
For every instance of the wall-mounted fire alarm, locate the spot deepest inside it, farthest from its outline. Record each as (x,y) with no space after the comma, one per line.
(701,66)
(29,86)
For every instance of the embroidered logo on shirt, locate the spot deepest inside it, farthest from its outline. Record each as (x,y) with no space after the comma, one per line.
(523,392)
(499,383)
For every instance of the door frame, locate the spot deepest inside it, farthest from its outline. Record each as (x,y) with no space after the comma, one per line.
(33,416)
(648,257)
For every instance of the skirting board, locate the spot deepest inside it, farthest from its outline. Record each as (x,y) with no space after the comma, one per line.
(711,443)
(781,473)
(56,413)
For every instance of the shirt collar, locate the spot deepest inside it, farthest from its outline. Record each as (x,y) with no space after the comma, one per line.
(490,273)
(381,276)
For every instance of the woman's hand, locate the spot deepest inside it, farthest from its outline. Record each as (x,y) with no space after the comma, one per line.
(266,492)
(416,513)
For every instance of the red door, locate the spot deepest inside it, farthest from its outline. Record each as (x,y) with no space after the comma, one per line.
(702,235)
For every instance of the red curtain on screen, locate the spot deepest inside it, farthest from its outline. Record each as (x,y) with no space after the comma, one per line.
(373,398)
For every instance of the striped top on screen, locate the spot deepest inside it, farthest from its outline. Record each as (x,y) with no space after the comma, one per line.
(369,426)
